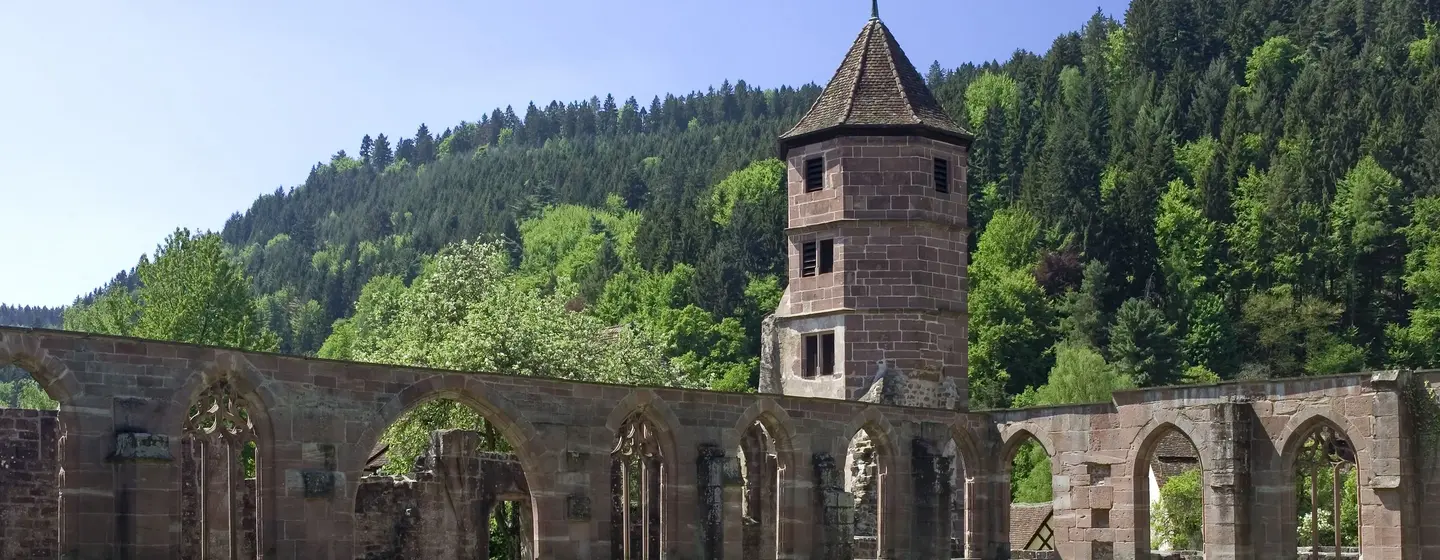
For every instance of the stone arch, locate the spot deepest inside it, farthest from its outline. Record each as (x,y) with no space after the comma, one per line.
(465,390)
(1292,438)
(791,459)
(60,384)
(1014,436)
(975,506)
(249,385)
(645,404)
(1147,439)
(1293,435)
(48,371)
(888,470)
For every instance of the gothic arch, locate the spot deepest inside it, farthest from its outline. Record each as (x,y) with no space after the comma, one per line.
(1298,428)
(889,471)
(48,371)
(791,458)
(248,385)
(1142,448)
(644,404)
(1015,435)
(462,389)
(776,421)
(968,449)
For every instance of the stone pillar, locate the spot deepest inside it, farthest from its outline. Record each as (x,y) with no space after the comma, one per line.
(527,530)
(1388,524)
(769,356)
(711,485)
(1227,490)
(836,508)
(927,532)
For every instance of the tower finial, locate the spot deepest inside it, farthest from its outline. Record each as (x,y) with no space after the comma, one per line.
(874,9)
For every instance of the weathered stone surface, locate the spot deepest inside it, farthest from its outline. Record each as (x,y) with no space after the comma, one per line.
(133,446)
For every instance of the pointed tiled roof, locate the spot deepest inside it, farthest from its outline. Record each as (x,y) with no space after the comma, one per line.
(875,89)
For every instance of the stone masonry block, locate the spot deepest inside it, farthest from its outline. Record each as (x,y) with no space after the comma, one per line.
(318,484)
(577,507)
(138,446)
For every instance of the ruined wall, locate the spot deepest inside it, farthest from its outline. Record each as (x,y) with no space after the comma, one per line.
(29,483)
(316,422)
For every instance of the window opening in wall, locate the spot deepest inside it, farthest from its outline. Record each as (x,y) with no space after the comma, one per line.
(809,254)
(865,480)
(440,441)
(1170,498)
(817,257)
(1031,492)
(219,486)
(760,508)
(814,174)
(942,175)
(637,471)
(1325,476)
(819,354)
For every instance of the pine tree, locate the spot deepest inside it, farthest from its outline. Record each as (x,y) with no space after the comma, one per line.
(380,155)
(366,147)
(1142,345)
(424,146)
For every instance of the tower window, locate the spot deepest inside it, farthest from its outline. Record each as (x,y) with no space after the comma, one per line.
(817,257)
(814,174)
(819,355)
(942,175)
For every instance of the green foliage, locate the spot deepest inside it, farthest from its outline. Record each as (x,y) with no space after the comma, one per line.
(1349,508)
(1290,335)
(1011,318)
(1083,319)
(1080,376)
(19,390)
(1030,475)
(1273,64)
(1418,343)
(192,292)
(762,180)
(1142,344)
(992,90)
(1178,517)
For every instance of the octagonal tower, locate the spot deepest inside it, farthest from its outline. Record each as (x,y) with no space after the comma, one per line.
(875,308)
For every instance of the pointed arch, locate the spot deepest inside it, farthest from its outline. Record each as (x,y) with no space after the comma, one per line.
(53,376)
(1016,435)
(1300,425)
(1143,448)
(464,389)
(642,413)
(242,381)
(781,484)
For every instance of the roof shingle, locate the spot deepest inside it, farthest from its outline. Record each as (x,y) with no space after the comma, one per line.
(876,87)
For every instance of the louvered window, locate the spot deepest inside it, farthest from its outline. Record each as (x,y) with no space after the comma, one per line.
(809,254)
(942,175)
(819,355)
(814,174)
(817,257)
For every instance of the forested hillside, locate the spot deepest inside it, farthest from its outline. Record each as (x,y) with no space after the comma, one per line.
(1213,190)
(27,316)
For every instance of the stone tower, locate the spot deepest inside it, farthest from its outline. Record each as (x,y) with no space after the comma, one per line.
(875,309)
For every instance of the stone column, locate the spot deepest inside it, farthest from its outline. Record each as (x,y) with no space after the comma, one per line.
(1388,523)
(927,531)
(1227,490)
(711,485)
(836,508)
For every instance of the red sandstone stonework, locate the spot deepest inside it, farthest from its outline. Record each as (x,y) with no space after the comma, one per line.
(315,416)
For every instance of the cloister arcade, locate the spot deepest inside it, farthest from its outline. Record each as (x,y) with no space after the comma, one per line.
(163,450)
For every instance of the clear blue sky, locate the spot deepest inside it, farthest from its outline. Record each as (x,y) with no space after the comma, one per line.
(121,123)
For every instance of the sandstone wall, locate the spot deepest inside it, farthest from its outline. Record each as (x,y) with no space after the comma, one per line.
(29,484)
